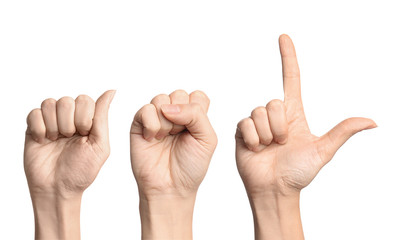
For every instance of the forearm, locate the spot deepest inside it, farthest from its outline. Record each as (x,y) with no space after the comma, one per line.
(277,217)
(56,217)
(166,218)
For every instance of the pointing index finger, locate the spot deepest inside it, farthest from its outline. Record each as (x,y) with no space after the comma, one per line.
(291,77)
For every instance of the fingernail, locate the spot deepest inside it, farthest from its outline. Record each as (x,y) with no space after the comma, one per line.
(170,108)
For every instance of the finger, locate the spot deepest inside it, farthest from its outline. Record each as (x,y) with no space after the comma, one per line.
(278,120)
(291,76)
(246,131)
(50,118)
(36,125)
(193,117)
(65,116)
(166,126)
(335,138)
(146,122)
(200,98)
(178,97)
(99,131)
(84,113)
(261,121)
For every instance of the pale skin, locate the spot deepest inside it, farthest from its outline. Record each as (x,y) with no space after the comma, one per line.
(66,144)
(172,142)
(277,155)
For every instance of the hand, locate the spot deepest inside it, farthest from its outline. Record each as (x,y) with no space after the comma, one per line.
(172,142)
(276,153)
(66,145)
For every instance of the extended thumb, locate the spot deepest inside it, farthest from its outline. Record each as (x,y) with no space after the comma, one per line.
(336,137)
(100,122)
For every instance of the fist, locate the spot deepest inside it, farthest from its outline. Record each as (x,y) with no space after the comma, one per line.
(66,144)
(172,142)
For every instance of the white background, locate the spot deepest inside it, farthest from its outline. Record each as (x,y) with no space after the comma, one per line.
(350,55)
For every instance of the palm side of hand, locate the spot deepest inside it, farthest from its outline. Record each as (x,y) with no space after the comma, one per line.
(173,163)
(275,150)
(281,167)
(68,164)
(66,144)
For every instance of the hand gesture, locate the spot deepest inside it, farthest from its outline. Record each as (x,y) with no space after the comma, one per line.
(66,144)
(172,142)
(275,150)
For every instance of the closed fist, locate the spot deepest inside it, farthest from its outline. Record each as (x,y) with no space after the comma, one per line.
(66,144)
(172,142)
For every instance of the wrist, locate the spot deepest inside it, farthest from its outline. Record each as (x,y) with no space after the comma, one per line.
(56,217)
(277,216)
(166,217)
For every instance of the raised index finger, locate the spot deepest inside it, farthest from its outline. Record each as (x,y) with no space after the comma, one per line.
(291,81)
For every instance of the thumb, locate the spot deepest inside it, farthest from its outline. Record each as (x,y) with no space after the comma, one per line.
(194,118)
(336,137)
(99,131)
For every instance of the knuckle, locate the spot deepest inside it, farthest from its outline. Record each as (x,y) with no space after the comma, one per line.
(179,92)
(274,104)
(148,108)
(84,99)
(65,102)
(34,112)
(259,112)
(292,73)
(244,123)
(200,94)
(161,98)
(48,103)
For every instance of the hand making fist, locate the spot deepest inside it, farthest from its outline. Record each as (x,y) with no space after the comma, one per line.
(172,142)
(66,144)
